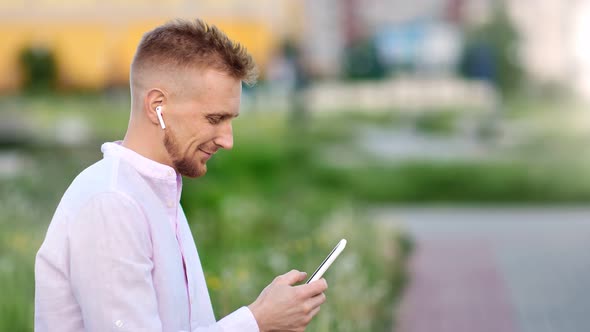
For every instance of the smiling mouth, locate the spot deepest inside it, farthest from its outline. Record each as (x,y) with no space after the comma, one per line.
(207,153)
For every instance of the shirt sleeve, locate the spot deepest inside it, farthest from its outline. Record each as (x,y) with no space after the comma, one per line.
(111,270)
(241,320)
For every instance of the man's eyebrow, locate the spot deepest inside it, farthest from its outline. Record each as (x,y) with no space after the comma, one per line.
(224,114)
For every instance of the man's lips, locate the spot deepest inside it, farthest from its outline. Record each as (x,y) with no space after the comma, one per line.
(209,154)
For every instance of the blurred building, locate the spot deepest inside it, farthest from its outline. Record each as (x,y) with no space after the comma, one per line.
(545,28)
(405,31)
(580,61)
(94,41)
(553,46)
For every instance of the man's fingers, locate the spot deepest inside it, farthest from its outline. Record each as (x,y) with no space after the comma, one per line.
(292,277)
(313,288)
(313,313)
(317,300)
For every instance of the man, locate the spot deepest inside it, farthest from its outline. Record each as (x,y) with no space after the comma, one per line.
(119,254)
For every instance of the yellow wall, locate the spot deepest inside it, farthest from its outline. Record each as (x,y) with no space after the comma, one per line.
(95,54)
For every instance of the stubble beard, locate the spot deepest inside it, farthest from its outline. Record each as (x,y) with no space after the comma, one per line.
(183,165)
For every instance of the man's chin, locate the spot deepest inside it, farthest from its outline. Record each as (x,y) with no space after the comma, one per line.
(195,173)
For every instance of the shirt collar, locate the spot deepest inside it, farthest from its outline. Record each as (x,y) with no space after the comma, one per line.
(143,165)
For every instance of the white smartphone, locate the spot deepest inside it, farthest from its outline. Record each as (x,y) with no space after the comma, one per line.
(319,272)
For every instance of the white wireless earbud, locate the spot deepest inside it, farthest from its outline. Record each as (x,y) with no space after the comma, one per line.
(159,113)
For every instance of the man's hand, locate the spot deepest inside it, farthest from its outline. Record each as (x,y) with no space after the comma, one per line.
(284,307)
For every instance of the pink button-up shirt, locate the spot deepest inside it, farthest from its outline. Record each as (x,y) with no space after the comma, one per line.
(119,255)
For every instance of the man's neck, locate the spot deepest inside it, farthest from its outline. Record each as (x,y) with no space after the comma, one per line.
(143,143)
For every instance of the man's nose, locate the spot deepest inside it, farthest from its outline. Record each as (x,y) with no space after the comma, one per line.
(225,139)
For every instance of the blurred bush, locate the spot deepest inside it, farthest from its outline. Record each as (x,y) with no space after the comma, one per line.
(512,182)
(361,61)
(437,122)
(17,280)
(491,53)
(39,69)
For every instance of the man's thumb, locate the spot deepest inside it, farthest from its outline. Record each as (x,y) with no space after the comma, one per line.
(292,277)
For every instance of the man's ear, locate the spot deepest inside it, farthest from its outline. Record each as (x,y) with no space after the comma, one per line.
(154,98)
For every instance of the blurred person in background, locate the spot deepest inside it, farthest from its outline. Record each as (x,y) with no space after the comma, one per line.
(119,253)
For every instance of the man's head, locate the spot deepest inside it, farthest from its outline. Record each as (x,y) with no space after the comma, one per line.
(194,72)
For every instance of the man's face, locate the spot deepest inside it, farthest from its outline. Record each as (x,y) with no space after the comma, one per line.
(198,120)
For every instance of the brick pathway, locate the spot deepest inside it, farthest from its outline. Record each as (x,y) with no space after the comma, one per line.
(496,269)
(455,287)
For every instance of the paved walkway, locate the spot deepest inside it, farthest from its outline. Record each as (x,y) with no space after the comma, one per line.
(496,269)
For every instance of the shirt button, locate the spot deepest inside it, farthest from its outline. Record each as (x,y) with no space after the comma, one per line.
(119,323)
(170,204)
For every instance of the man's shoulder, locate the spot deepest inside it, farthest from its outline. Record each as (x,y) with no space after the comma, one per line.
(99,179)
(95,178)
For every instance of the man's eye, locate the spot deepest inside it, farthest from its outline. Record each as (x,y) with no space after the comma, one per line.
(214,119)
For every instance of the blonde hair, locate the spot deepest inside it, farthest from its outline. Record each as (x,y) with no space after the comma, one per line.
(189,44)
